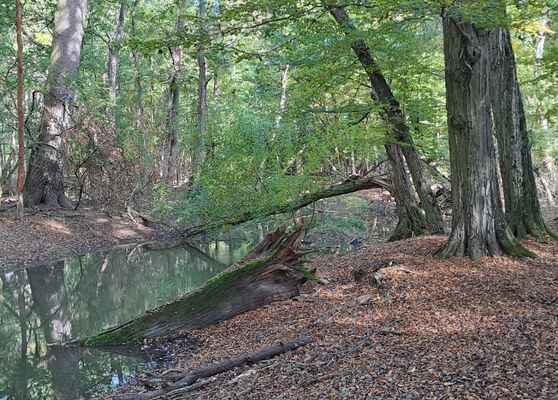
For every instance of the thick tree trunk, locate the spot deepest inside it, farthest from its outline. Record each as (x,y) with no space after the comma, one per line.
(239,289)
(173,105)
(112,61)
(523,212)
(478,225)
(392,115)
(411,221)
(44,183)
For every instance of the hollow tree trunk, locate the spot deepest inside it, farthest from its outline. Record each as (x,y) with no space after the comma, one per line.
(44,183)
(523,212)
(112,61)
(393,116)
(173,104)
(478,225)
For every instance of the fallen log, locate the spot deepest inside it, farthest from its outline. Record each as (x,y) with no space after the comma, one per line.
(349,186)
(191,377)
(238,289)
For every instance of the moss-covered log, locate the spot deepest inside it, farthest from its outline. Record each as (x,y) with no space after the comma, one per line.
(239,289)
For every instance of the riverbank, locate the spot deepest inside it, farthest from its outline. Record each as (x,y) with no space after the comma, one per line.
(48,236)
(420,328)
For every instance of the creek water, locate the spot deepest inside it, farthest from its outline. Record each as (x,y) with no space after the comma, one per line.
(83,295)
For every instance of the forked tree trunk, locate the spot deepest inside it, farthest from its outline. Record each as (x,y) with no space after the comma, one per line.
(44,183)
(523,212)
(478,225)
(393,116)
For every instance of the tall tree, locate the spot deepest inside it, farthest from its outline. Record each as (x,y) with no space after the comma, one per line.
(20,121)
(478,224)
(392,115)
(523,212)
(112,59)
(44,183)
(138,80)
(202,88)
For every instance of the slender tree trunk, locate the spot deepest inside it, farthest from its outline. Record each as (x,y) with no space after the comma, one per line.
(523,212)
(173,104)
(202,90)
(478,225)
(112,61)
(44,183)
(392,115)
(20,121)
(139,87)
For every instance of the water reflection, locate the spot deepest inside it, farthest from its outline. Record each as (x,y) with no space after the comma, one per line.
(80,296)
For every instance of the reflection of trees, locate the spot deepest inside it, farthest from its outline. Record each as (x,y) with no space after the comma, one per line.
(51,301)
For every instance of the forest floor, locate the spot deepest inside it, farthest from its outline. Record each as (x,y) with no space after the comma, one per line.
(429,329)
(50,235)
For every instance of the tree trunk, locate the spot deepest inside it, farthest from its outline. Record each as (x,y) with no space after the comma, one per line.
(202,91)
(173,104)
(235,291)
(410,219)
(393,116)
(20,121)
(478,225)
(523,212)
(44,183)
(112,61)
(139,87)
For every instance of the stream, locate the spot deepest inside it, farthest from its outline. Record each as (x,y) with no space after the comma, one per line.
(83,295)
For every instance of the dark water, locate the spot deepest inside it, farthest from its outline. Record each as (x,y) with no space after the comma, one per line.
(80,296)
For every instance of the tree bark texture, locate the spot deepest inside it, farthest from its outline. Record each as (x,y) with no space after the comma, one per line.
(139,86)
(112,61)
(20,121)
(202,91)
(478,224)
(393,116)
(173,103)
(523,212)
(44,183)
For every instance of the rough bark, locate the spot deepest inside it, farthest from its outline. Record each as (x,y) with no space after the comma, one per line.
(20,121)
(173,104)
(393,116)
(307,199)
(237,290)
(187,379)
(478,224)
(410,219)
(112,60)
(523,212)
(44,183)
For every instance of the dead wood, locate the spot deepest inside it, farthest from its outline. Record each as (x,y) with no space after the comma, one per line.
(191,377)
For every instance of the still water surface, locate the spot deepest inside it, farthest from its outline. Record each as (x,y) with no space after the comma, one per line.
(81,296)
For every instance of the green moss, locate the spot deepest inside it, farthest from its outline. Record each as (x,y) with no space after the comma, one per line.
(518,250)
(191,305)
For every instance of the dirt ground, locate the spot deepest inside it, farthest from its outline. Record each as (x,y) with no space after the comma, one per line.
(50,235)
(420,328)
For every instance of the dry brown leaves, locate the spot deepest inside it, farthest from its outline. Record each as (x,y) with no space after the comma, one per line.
(431,329)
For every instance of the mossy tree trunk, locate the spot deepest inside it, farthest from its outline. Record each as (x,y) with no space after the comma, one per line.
(523,212)
(478,225)
(239,289)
